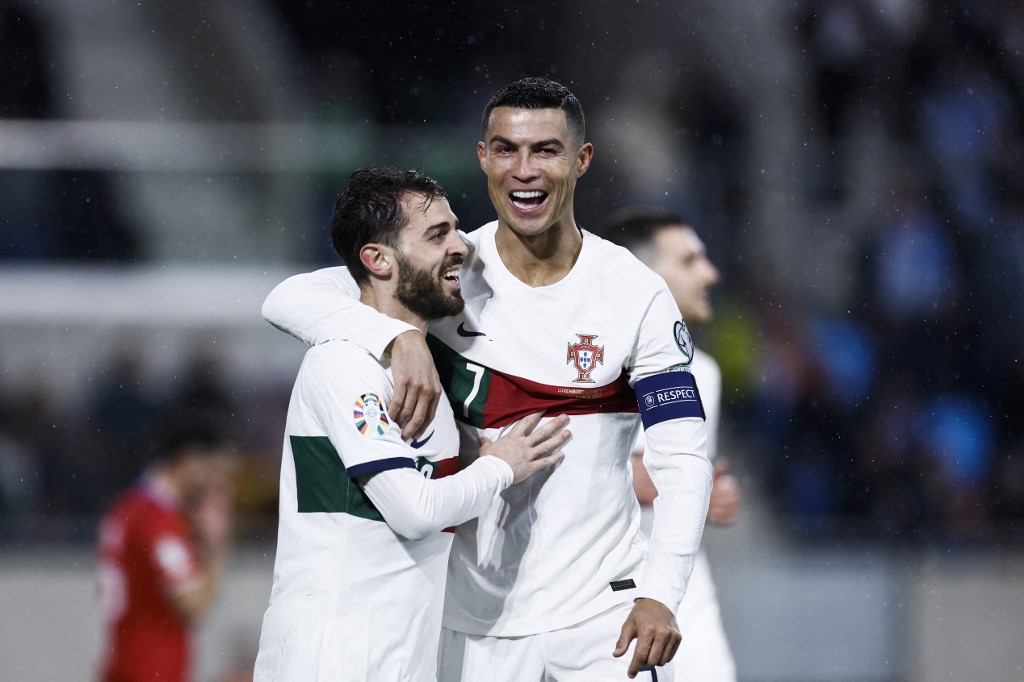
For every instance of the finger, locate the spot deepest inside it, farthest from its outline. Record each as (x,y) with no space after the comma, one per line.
(626,636)
(638,662)
(549,429)
(641,653)
(656,651)
(721,467)
(545,462)
(673,648)
(398,404)
(527,423)
(546,447)
(419,420)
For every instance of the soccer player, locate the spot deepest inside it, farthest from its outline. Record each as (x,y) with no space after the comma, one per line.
(671,248)
(360,567)
(161,551)
(554,581)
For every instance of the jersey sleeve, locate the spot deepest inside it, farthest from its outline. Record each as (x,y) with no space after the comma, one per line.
(676,459)
(662,342)
(415,506)
(676,448)
(316,307)
(347,392)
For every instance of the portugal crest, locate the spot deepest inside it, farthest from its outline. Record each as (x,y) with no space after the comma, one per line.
(585,356)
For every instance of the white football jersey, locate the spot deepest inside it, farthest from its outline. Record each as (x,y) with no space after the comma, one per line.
(565,544)
(351,599)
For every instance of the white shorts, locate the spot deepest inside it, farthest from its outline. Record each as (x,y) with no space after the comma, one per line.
(580,653)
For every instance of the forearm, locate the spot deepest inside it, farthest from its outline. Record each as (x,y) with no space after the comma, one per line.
(320,306)
(677,462)
(415,507)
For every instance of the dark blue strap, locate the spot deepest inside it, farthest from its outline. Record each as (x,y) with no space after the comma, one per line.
(669,395)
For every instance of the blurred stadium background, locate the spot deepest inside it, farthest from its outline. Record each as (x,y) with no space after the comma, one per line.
(855,167)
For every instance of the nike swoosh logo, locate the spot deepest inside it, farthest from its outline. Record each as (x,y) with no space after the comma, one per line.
(417,444)
(462,331)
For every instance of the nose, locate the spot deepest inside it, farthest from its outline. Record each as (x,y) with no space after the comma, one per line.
(455,244)
(524,166)
(713,274)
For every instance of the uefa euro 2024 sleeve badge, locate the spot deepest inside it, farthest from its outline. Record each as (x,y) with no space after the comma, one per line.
(585,356)
(370,417)
(684,341)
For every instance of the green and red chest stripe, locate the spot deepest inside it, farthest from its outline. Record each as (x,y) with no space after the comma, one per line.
(487,398)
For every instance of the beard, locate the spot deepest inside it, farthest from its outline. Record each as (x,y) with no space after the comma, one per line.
(423,294)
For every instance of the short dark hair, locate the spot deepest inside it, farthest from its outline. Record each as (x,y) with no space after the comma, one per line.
(369,211)
(634,228)
(539,93)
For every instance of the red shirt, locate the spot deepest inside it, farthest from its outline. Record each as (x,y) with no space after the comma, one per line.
(146,554)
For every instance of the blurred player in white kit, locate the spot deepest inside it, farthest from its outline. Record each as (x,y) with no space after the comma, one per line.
(668,245)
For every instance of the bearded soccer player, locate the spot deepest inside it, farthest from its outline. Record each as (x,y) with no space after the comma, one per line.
(554,581)
(161,551)
(360,567)
(673,250)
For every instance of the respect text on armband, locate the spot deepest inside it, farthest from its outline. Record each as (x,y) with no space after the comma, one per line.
(670,395)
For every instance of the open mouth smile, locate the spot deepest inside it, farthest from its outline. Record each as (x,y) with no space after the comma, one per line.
(452,274)
(527,200)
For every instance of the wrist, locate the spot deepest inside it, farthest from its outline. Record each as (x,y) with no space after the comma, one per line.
(404,338)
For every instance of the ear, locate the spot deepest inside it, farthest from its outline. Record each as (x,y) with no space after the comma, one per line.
(377,259)
(481,155)
(583,158)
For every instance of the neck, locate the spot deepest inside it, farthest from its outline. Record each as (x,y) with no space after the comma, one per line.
(541,259)
(380,295)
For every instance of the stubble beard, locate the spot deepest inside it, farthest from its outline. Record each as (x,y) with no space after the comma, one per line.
(423,294)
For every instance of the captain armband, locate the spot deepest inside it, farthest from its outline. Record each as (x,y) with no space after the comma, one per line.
(669,395)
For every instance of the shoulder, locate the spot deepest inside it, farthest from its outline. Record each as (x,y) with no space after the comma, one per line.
(618,266)
(337,359)
(339,367)
(474,239)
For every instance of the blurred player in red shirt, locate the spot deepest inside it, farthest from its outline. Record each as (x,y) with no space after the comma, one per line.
(161,552)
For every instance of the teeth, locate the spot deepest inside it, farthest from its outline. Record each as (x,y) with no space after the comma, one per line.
(534,194)
(451,274)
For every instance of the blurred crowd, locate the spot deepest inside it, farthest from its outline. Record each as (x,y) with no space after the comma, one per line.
(895,415)
(62,464)
(891,415)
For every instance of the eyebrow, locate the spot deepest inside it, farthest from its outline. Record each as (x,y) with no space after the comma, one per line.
(535,145)
(440,225)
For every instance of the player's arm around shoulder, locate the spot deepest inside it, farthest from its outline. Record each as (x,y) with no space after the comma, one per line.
(320,306)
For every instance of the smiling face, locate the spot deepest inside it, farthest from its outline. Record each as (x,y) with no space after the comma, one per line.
(429,258)
(532,162)
(683,263)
